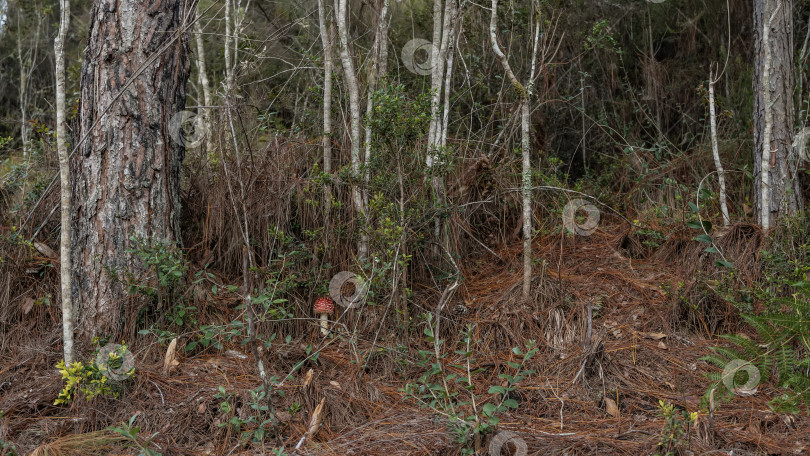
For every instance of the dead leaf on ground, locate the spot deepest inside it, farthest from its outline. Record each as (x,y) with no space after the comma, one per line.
(611,408)
(28,304)
(652,335)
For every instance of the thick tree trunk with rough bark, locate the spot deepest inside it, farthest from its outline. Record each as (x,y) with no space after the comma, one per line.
(127,172)
(773,112)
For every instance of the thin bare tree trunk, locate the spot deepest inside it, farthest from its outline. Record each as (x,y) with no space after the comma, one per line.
(526,159)
(448,79)
(202,75)
(526,188)
(326,141)
(765,166)
(28,62)
(354,112)
(526,194)
(23,93)
(238,14)
(64,178)
(721,175)
(525,93)
(228,67)
(444,20)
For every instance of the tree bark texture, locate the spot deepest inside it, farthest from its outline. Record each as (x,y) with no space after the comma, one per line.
(773,112)
(127,172)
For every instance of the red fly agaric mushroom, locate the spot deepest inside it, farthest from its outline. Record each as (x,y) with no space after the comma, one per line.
(324,307)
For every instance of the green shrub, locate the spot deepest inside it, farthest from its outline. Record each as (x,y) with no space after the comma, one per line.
(89,378)
(783,350)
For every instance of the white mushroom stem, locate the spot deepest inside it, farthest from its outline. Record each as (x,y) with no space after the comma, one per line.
(324,323)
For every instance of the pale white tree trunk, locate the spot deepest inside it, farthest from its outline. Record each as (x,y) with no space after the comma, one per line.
(765,185)
(65,185)
(354,113)
(205,117)
(721,175)
(448,79)
(326,42)
(435,79)
(526,194)
(28,61)
(526,187)
(238,14)
(382,61)
(525,111)
(23,93)
(444,20)
(228,67)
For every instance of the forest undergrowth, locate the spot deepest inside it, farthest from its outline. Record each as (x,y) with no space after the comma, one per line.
(621,328)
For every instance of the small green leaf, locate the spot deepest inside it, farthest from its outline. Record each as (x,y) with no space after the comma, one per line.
(724,263)
(704,238)
(495,389)
(489,409)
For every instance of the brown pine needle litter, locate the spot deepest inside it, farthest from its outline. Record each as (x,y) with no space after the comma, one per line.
(609,316)
(92,443)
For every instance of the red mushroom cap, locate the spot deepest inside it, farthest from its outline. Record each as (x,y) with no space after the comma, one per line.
(324,305)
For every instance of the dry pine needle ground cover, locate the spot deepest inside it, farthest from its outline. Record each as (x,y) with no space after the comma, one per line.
(615,338)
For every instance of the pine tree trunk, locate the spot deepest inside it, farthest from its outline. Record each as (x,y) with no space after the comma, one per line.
(127,172)
(777,191)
